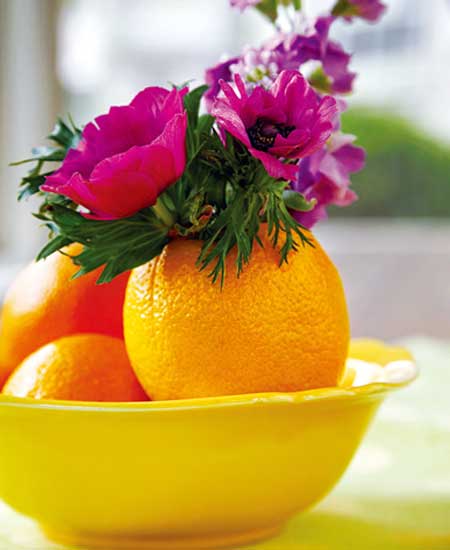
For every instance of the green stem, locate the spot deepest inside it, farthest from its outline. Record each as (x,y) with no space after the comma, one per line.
(163,213)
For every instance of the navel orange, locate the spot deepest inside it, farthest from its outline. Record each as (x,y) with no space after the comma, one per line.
(276,328)
(81,367)
(44,304)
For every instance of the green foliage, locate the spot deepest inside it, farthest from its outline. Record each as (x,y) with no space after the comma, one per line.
(320,81)
(344,8)
(269,8)
(238,224)
(118,245)
(230,191)
(64,137)
(407,173)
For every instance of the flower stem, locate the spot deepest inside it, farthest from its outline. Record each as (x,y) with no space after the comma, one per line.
(163,213)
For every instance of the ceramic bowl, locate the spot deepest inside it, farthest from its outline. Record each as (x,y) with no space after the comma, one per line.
(197,473)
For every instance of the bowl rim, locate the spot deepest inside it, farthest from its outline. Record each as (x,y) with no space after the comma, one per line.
(368,391)
(365,392)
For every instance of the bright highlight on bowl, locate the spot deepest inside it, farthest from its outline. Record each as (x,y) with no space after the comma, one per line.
(361,373)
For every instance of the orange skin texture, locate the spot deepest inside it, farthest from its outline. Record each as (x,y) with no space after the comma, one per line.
(44,304)
(81,367)
(273,329)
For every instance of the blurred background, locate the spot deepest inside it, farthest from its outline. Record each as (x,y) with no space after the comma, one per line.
(392,247)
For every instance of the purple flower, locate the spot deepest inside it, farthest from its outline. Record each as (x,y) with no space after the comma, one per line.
(325,177)
(316,46)
(258,67)
(370,10)
(214,75)
(244,4)
(261,66)
(127,157)
(287,121)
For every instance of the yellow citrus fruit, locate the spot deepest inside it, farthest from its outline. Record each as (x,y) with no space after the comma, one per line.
(44,304)
(273,329)
(81,367)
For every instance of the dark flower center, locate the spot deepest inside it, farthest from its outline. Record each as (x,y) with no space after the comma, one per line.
(263,133)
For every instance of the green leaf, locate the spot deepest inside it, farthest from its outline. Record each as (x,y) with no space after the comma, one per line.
(192,104)
(279,221)
(47,154)
(297,4)
(296,201)
(55,244)
(269,8)
(344,8)
(237,225)
(205,124)
(118,245)
(198,127)
(320,80)
(252,197)
(64,137)
(30,185)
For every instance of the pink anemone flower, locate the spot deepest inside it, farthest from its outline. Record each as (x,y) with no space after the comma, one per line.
(278,125)
(127,157)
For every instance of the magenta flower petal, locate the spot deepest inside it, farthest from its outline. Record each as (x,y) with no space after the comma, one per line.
(173,139)
(322,27)
(127,157)
(76,188)
(309,219)
(120,184)
(290,146)
(274,167)
(213,76)
(160,104)
(230,119)
(76,161)
(335,64)
(285,122)
(353,158)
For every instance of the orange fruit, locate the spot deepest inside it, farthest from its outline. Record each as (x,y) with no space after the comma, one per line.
(273,329)
(81,367)
(44,304)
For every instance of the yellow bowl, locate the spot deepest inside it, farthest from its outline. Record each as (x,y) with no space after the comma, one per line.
(198,473)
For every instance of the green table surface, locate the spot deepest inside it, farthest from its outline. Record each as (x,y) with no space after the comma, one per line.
(396,493)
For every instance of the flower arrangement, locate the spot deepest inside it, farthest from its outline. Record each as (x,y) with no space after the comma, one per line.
(268,149)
